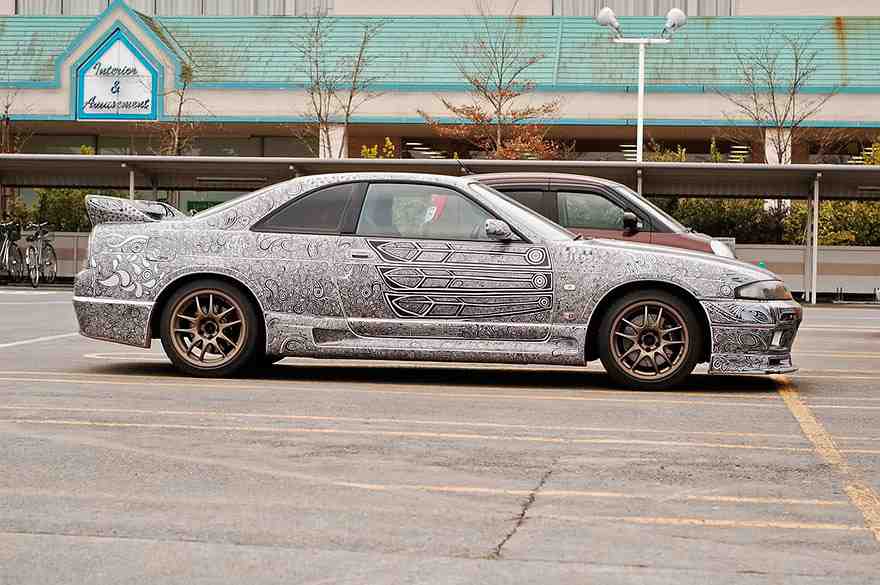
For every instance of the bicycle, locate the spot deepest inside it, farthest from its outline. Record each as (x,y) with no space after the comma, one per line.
(41,260)
(11,259)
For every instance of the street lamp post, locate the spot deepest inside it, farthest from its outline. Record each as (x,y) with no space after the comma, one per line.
(675,19)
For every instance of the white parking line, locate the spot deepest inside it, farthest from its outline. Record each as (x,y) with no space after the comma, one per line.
(36,340)
(34,292)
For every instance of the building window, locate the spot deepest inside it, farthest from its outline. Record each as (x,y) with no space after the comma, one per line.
(303,7)
(179,7)
(643,7)
(39,7)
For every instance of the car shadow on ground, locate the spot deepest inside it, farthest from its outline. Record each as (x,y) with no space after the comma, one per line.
(454,376)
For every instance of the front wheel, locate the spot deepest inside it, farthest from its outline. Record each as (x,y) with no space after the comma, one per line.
(49,264)
(33,266)
(650,340)
(16,264)
(209,328)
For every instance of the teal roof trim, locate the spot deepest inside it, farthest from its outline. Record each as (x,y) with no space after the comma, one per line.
(52,39)
(413,53)
(415,120)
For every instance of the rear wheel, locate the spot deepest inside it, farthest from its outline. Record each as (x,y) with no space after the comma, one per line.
(16,264)
(33,266)
(49,264)
(209,328)
(650,340)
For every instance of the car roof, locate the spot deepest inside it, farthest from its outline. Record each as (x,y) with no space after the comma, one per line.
(512,178)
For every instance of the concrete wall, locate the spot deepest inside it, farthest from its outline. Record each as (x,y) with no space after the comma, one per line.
(7,7)
(807,8)
(854,268)
(449,7)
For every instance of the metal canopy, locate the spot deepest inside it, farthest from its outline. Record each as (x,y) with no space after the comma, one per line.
(208,173)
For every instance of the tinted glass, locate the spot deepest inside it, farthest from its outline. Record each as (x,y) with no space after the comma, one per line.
(589,210)
(516,214)
(319,212)
(401,210)
(531,199)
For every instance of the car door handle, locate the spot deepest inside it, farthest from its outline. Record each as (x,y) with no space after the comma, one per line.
(362,254)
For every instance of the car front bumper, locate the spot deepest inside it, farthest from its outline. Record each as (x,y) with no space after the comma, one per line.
(753,337)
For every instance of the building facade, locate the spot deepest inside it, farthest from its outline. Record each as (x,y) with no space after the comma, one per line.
(117,76)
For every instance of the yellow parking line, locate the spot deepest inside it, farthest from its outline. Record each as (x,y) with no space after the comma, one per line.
(860,493)
(379,389)
(413,434)
(450,489)
(398,421)
(705,522)
(768,395)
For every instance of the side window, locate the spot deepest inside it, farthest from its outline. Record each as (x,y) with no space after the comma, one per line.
(589,210)
(401,210)
(320,212)
(531,199)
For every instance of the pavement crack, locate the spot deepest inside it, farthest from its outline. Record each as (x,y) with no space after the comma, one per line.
(495,554)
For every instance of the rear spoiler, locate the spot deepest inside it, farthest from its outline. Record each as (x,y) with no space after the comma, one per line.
(104,209)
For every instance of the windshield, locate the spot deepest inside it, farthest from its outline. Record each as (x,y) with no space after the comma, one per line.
(518,214)
(673,223)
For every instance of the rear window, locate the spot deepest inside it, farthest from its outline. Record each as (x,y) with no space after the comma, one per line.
(320,212)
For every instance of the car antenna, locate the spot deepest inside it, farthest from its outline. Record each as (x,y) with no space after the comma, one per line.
(464,169)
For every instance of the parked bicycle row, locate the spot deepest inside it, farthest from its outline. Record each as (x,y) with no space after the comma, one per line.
(38,262)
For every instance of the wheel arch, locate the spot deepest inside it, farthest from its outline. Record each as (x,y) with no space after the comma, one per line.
(639,285)
(182,279)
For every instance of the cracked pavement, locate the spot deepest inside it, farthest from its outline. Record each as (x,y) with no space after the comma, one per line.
(117,470)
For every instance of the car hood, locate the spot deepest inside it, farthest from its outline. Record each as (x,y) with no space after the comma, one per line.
(725,265)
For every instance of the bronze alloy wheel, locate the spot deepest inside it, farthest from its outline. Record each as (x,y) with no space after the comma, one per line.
(208,328)
(649,340)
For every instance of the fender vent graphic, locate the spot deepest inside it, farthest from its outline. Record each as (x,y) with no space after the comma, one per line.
(466,307)
(427,252)
(464,280)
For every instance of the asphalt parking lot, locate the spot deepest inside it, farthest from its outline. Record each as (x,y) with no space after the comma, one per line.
(115,469)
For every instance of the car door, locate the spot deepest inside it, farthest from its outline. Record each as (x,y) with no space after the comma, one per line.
(596,214)
(419,264)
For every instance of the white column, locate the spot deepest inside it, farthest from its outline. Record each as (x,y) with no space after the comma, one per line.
(814,271)
(640,128)
(331,141)
(808,252)
(7,7)
(131,184)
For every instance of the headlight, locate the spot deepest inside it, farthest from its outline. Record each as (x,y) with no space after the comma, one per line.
(721,249)
(765,290)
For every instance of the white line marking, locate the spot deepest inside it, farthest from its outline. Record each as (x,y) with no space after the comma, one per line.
(842,330)
(33,292)
(36,340)
(101,301)
(32,303)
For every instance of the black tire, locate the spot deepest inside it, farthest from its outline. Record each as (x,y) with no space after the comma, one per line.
(33,266)
(666,365)
(49,265)
(240,354)
(16,258)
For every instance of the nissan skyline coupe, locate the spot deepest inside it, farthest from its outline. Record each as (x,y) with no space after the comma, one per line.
(398,266)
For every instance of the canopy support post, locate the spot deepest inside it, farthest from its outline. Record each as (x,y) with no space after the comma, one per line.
(814,242)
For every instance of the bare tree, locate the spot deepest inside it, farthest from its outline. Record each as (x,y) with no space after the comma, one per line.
(337,82)
(775,72)
(176,136)
(12,135)
(500,119)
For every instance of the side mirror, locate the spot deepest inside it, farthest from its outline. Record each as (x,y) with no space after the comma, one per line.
(498,230)
(630,223)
